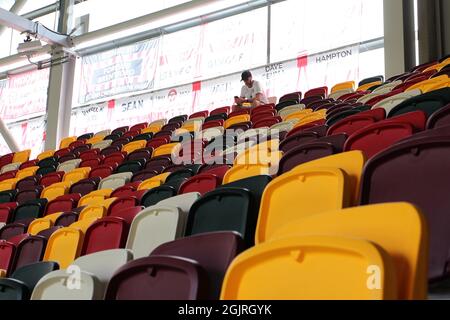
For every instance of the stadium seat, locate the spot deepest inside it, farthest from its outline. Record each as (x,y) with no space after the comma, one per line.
(102,172)
(64,246)
(249,170)
(153,227)
(23,281)
(154,182)
(115,181)
(404,173)
(428,102)
(202,183)
(56,190)
(305,153)
(440,118)
(315,190)
(352,163)
(172,278)
(85,186)
(69,166)
(57,286)
(76,175)
(167,149)
(213,251)
(103,265)
(378,137)
(226,209)
(382,224)
(298,268)
(155,195)
(32,209)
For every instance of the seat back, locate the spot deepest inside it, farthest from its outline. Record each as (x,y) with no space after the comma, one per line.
(64,246)
(213,251)
(171,279)
(405,172)
(293,268)
(103,265)
(382,224)
(153,227)
(315,190)
(57,285)
(115,181)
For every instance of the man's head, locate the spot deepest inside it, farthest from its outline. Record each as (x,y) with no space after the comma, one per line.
(247,78)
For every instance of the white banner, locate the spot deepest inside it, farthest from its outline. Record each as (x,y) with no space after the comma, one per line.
(126,69)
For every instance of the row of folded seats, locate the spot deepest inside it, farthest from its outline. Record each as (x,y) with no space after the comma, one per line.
(328,187)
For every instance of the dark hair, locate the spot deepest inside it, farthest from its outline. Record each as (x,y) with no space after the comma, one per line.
(245,75)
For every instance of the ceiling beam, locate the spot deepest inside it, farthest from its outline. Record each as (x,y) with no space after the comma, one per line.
(22,24)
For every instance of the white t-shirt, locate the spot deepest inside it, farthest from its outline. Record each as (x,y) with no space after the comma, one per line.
(250,93)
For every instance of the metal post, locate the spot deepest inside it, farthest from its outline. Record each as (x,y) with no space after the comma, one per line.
(60,88)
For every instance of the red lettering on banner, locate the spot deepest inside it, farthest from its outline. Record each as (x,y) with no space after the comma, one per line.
(24,132)
(197,86)
(111,106)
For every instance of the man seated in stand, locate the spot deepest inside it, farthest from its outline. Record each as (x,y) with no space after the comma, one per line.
(252,93)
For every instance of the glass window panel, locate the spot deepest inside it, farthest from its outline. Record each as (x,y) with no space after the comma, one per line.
(304,27)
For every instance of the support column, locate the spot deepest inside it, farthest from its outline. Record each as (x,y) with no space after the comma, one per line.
(60,89)
(398,36)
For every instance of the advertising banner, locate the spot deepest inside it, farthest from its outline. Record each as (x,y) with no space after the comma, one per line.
(24,95)
(125,69)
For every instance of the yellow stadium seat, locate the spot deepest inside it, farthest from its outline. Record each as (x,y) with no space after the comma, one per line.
(153,129)
(77,175)
(425,85)
(93,211)
(193,125)
(56,190)
(65,143)
(45,155)
(263,156)
(367,86)
(244,171)
(235,120)
(299,115)
(310,118)
(27,172)
(64,246)
(154,182)
(103,192)
(133,146)
(9,184)
(53,217)
(167,149)
(2,273)
(90,200)
(94,197)
(107,202)
(95,139)
(21,156)
(343,86)
(298,194)
(83,225)
(437,67)
(352,163)
(436,86)
(385,225)
(312,268)
(39,225)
